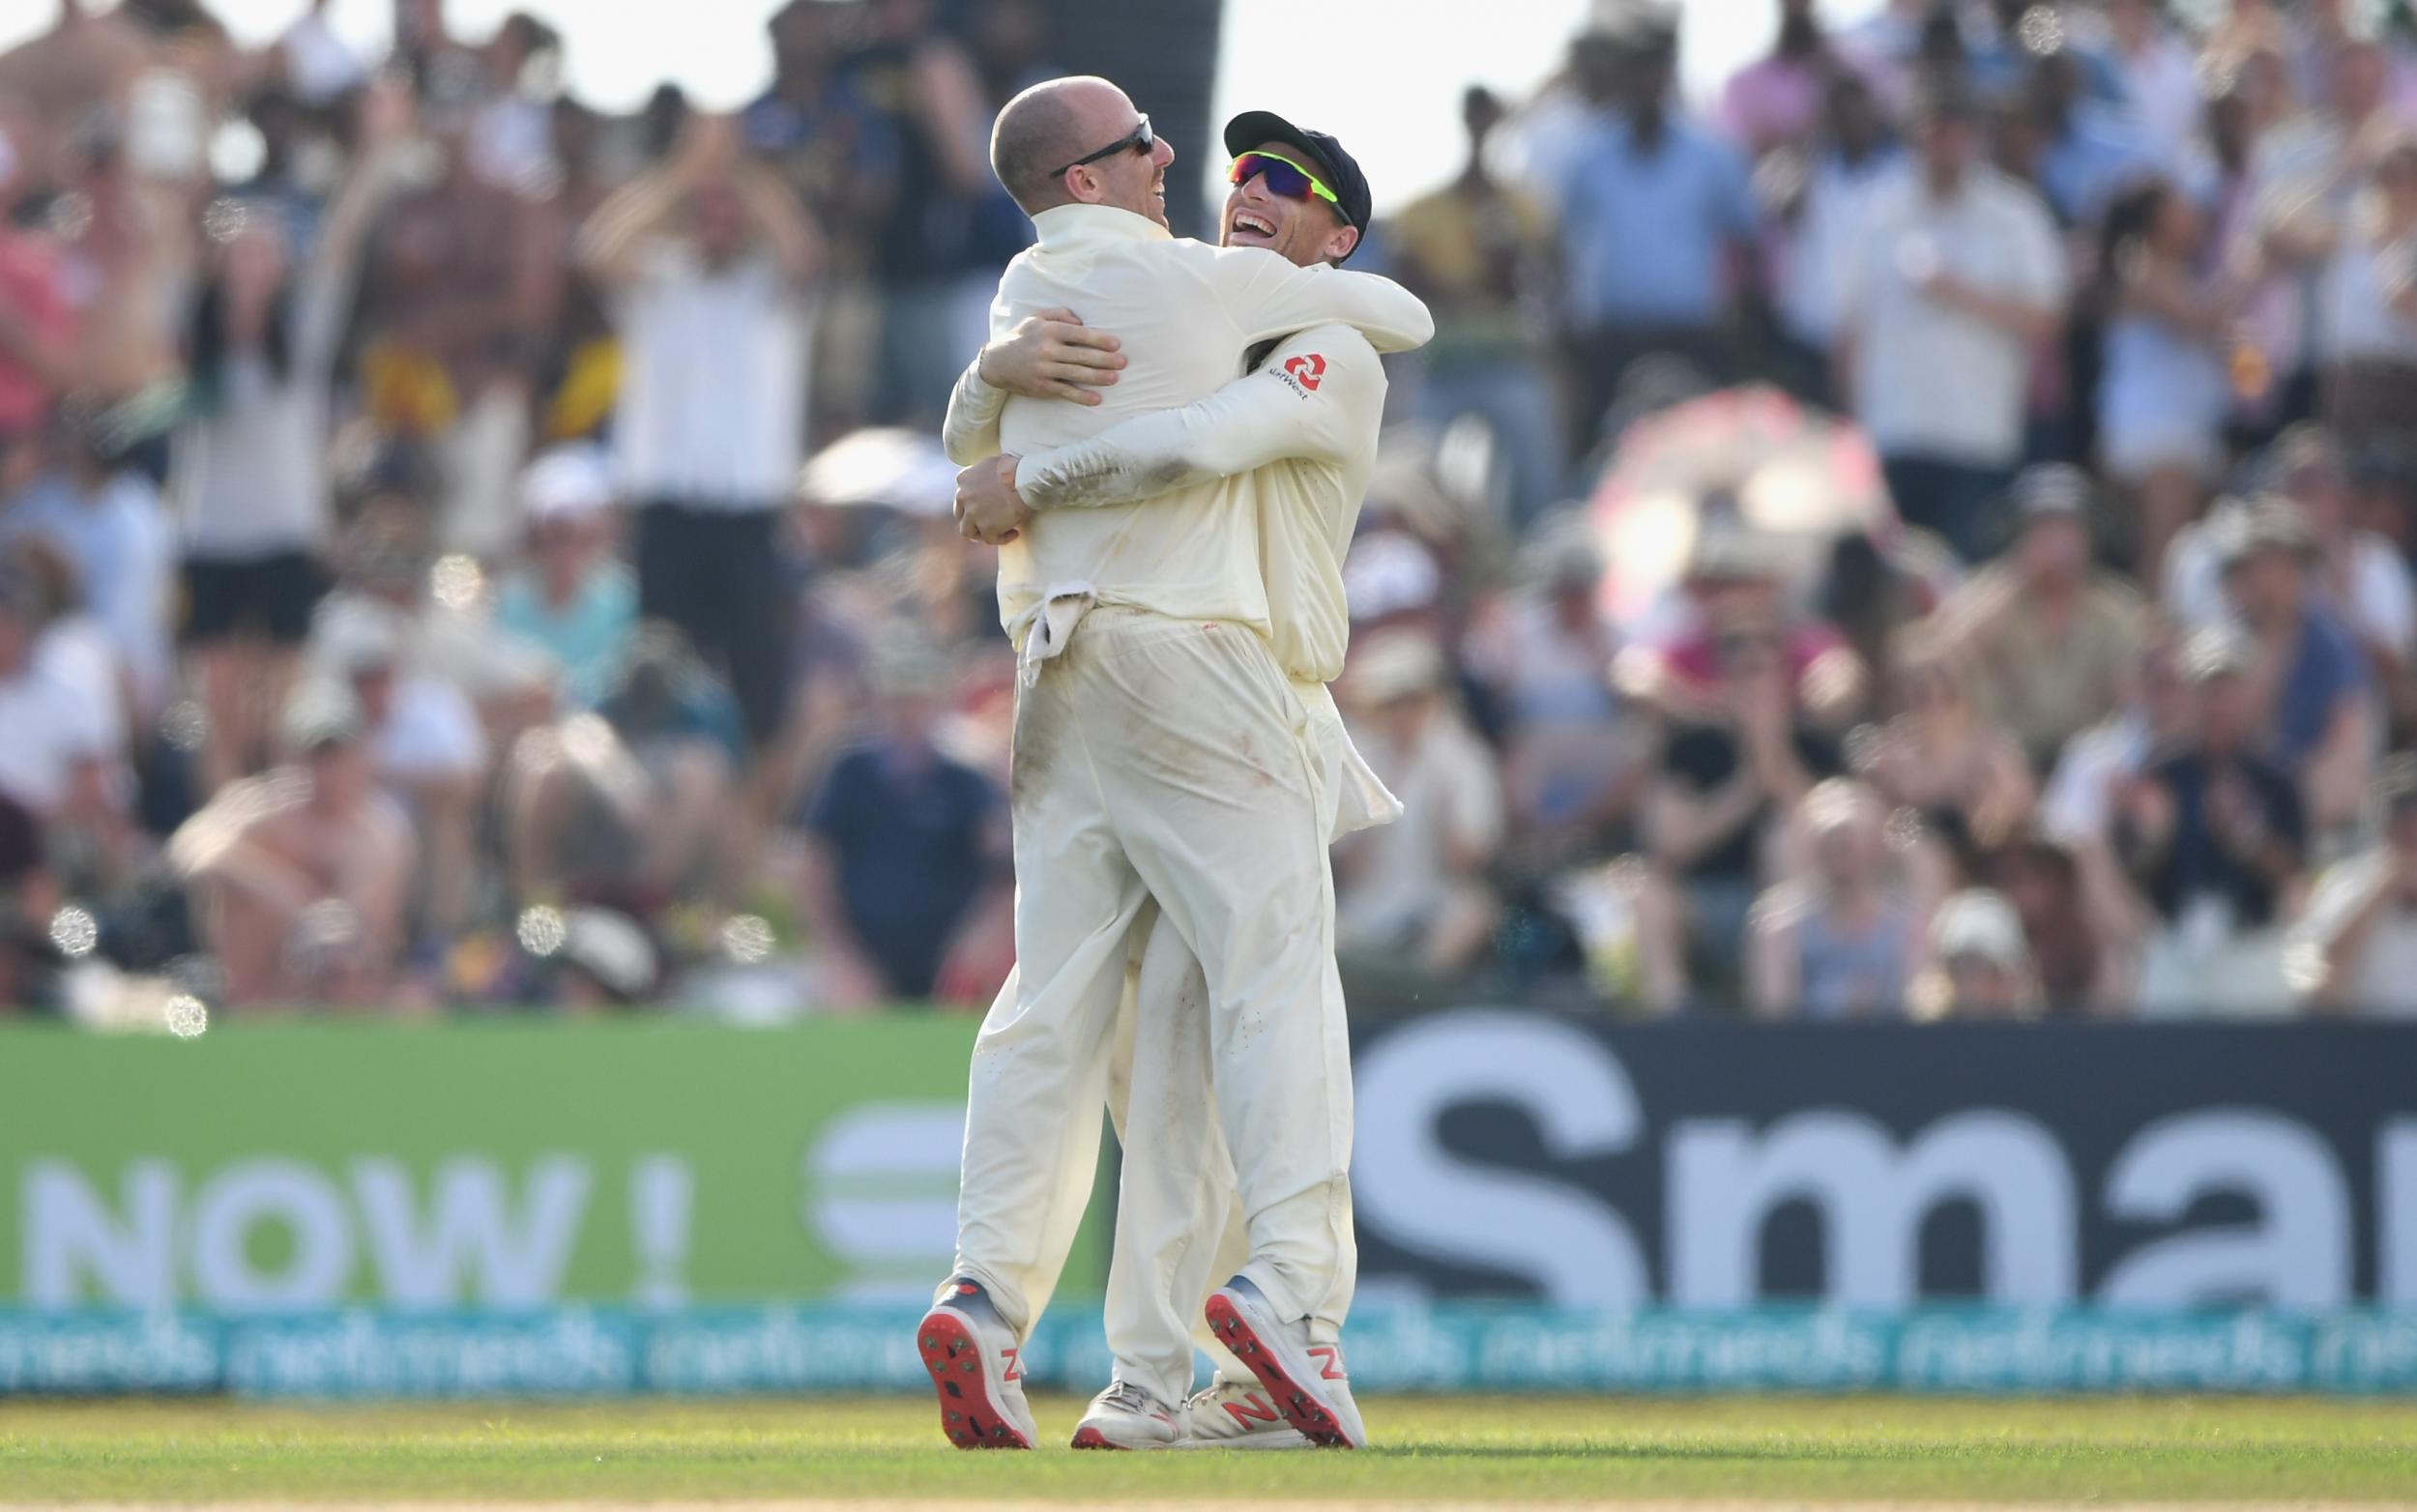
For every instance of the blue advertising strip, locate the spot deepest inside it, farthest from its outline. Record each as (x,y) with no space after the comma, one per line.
(606,1351)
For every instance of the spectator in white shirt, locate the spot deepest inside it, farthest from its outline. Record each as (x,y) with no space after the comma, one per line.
(2161,76)
(1417,887)
(61,727)
(1854,153)
(58,732)
(106,524)
(2354,948)
(2366,306)
(710,259)
(423,739)
(1960,277)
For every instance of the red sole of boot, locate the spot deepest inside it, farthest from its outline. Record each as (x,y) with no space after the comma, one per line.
(968,1415)
(1093,1438)
(1299,1407)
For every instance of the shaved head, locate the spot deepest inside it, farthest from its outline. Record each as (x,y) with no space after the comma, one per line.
(1048,126)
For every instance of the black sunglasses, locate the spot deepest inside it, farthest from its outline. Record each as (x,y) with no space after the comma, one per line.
(1139,139)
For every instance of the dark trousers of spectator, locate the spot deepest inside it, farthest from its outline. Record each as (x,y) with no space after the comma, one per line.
(716,574)
(1699,361)
(1955,501)
(1800,367)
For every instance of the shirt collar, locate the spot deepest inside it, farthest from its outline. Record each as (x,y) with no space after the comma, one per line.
(1066,225)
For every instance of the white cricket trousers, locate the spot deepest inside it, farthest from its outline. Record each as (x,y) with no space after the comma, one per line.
(1179,1228)
(1168,760)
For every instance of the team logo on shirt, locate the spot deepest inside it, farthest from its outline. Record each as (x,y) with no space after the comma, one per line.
(1306,371)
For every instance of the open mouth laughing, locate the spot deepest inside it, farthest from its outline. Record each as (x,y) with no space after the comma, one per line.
(1252,226)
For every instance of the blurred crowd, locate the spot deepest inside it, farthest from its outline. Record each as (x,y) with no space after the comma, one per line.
(1925,533)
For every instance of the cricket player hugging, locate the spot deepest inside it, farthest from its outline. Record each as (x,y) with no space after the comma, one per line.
(1171,521)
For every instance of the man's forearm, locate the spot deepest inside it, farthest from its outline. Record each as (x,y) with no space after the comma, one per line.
(613,232)
(1268,297)
(2016,317)
(969,433)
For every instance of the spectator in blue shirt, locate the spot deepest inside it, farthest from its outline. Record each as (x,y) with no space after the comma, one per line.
(2088,148)
(1656,214)
(2003,42)
(903,843)
(2321,709)
(575,601)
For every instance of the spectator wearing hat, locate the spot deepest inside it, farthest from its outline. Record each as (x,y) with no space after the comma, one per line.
(2080,920)
(1980,962)
(573,600)
(1941,755)
(423,739)
(1843,938)
(2354,947)
(1417,890)
(2046,633)
(302,879)
(2320,716)
(1959,277)
(2362,576)
(906,846)
(2213,836)
(1654,209)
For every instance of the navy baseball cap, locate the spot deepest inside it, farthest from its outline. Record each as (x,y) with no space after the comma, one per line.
(1339,169)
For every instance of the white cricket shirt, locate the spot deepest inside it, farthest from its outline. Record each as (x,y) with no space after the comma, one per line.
(1187,315)
(1296,438)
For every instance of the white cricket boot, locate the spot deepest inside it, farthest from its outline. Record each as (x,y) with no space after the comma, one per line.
(1305,1381)
(971,1352)
(1237,1414)
(1124,1416)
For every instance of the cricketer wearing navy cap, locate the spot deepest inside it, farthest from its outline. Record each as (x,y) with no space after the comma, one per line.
(1266,144)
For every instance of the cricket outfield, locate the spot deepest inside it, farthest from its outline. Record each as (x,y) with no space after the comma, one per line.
(1466,1451)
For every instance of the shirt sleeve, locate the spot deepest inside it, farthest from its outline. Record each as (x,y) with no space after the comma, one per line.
(970,432)
(1318,395)
(2344,889)
(1267,295)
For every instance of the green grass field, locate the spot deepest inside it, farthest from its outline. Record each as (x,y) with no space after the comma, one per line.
(888,1452)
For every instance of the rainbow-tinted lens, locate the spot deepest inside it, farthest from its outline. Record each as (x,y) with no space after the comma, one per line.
(1285,178)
